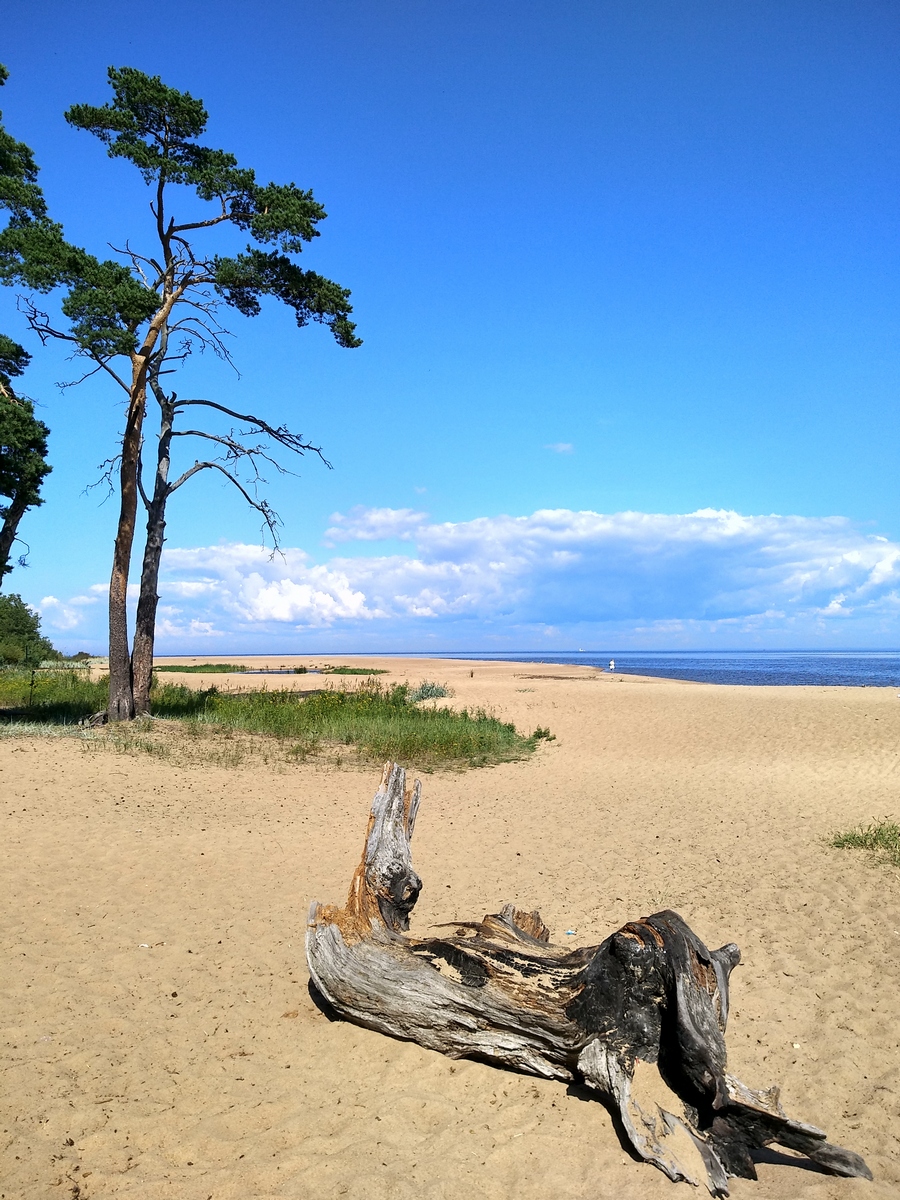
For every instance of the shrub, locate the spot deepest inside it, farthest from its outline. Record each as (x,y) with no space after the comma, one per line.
(11,652)
(429,691)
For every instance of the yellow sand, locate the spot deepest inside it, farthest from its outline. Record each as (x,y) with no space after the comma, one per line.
(159,1039)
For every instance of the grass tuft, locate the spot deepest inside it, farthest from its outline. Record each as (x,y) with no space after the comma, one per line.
(880,837)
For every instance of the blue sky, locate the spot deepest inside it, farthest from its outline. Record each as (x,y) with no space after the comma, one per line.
(619,264)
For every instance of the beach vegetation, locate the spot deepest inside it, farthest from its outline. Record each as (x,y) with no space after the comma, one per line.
(372,721)
(428,690)
(203,668)
(881,838)
(351,671)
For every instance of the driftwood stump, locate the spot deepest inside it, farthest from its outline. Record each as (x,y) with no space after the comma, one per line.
(640,1018)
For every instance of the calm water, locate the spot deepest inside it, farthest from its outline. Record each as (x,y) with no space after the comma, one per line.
(879,668)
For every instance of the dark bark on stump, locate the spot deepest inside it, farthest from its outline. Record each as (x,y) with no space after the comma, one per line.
(640,1018)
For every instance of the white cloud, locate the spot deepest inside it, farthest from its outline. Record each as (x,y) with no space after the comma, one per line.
(62,616)
(560,447)
(373,524)
(652,578)
(252,587)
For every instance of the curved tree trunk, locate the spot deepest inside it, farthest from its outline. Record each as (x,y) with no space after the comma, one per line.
(121,682)
(148,599)
(121,694)
(639,1018)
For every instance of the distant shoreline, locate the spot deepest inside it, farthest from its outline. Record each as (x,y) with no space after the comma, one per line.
(778,668)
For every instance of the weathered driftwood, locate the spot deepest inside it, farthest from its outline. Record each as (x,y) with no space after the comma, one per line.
(640,1018)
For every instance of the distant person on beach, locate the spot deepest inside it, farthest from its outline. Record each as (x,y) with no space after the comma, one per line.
(612,664)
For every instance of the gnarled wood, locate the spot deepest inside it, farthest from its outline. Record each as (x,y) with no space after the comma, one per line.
(640,1018)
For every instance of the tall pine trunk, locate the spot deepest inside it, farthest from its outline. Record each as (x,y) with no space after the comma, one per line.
(145,622)
(121,693)
(121,681)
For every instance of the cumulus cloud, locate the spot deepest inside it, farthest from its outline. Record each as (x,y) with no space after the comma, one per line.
(373,524)
(65,615)
(554,574)
(250,586)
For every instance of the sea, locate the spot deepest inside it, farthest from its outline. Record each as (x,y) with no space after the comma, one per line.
(811,668)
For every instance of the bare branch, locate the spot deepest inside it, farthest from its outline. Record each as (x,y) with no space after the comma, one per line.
(39,323)
(101,366)
(281,434)
(208,334)
(108,468)
(225,216)
(236,451)
(137,260)
(271,520)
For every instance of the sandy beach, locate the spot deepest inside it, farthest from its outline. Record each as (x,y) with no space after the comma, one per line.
(159,1040)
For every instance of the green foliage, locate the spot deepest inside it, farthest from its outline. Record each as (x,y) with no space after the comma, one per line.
(429,691)
(148,123)
(23,438)
(352,671)
(20,627)
(13,361)
(105,302)
(155,127)
(23,452)
(11,652)
(204,669)
(19,190)
(242,280)
(379,721)
(541,734)
(881,837)
(60,696)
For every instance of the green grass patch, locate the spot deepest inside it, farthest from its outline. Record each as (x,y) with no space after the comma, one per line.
(373,720)
(353,671)
(204,669)
(880,837)
(59,697)
(380,722)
